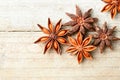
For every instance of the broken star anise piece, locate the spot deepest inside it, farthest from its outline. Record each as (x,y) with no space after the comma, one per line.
(104,37)
(80,22)
(81,47)
(113,6)
(54,38)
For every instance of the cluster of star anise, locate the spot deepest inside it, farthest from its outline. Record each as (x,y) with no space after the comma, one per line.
(82,45)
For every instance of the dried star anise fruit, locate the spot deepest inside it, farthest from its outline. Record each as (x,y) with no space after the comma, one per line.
(113,6)
(104,37)
(55,36)
(80,22)
(81,47)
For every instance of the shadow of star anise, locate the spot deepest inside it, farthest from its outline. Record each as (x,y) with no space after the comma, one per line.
(55,36)
(104,37)
(81,47)
(113,6)
(80,22)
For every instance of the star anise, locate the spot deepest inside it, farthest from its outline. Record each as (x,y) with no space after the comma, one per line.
(81,47)
(80,22)
(113,6)
(104,37)
(55,36)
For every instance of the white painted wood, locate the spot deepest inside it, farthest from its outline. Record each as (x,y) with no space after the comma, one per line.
(21,59)
(19,15)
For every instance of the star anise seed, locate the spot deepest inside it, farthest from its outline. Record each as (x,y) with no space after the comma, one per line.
(80,22)
(113,6)
(81,47)
(55,36)
(104,37)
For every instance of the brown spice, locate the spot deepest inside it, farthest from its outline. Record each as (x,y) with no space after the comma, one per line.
(55,36)
(113,6)
(104,37)
(80,22)
(81,47)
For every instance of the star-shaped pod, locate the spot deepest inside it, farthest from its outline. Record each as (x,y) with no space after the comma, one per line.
(113,6)
(55,36)
(104,37)
(80,22)
(81,47)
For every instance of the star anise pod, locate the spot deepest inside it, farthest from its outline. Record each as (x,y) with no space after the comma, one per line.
(113,6)
(55,36)
(81,47)
(104,37)
(80,22)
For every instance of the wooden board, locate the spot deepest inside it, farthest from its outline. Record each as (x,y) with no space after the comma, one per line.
(23,15)
(21,59)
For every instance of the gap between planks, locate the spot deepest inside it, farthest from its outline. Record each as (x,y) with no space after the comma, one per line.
(30,31)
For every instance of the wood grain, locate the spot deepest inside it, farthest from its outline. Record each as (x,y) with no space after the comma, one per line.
(21,59)
(23,15)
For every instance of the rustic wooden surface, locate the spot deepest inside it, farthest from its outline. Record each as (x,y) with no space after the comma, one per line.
(21,59)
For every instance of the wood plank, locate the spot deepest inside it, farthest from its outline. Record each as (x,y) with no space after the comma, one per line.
(21,59)
(23,15)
